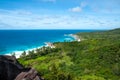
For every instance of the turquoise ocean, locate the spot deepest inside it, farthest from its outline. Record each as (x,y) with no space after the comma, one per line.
(21,40)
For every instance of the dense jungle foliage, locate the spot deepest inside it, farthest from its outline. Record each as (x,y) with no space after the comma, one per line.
(95,57)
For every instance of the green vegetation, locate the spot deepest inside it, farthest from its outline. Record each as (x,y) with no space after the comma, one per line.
(96,57)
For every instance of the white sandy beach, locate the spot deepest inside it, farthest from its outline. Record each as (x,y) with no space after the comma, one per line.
(76,37)
(18,53)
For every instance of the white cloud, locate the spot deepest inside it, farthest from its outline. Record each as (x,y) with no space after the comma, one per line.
(78,8)
(11,20)
(21,12)
(15,12)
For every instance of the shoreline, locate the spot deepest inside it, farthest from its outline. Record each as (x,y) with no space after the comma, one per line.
(18,53)
(76,37)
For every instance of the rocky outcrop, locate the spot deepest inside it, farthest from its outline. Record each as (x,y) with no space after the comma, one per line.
(30,75)
(11,69)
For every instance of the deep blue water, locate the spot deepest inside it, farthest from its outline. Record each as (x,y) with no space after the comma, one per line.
(19,40)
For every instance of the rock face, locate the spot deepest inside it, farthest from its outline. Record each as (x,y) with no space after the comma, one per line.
(30,75)
(10,69)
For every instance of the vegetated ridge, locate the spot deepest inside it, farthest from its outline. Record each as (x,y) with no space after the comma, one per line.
(95,57)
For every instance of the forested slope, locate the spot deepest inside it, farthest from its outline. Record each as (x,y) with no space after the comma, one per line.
(96,57)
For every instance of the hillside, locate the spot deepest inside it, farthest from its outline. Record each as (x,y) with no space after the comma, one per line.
(96,57)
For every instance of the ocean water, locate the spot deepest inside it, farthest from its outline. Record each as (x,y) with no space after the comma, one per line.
(20,40)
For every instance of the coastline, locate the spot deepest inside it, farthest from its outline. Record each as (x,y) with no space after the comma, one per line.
(74,36)
(46,44)
(18,53)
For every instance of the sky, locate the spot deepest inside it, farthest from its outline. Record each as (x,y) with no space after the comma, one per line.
(59,14)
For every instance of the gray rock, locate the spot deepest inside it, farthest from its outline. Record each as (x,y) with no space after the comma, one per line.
(11,69)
